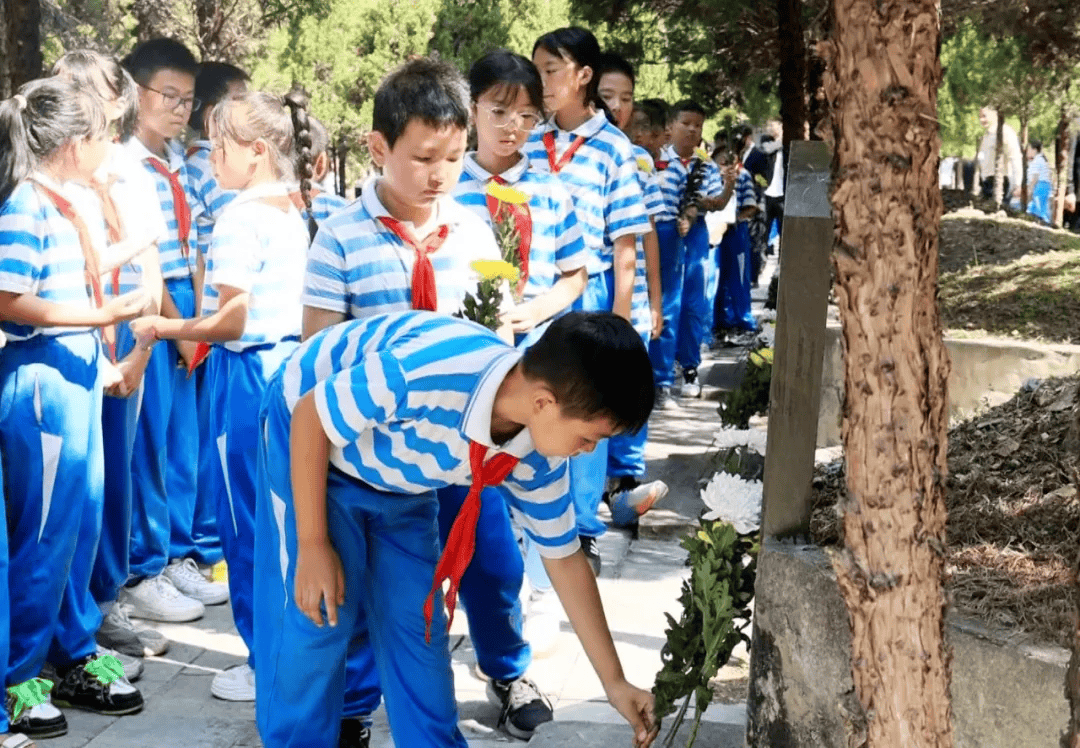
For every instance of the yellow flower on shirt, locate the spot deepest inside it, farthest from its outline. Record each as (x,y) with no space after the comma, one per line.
(644,165)
(506,194)
(701,153)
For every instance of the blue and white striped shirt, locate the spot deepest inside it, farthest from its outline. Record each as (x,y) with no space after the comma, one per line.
(206,192)
(556,246)
(358,267)
(640,310)
(262,250)
(40,254)
(672,181)
(173,262)
(401,396)
(745,194)
(323,204)
(602,179)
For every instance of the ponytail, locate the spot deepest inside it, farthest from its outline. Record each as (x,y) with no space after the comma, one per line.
(35,123)
(297,100)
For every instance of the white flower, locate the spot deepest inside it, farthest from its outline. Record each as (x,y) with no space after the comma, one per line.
(735,501)
(768,335)
(767,315)
(729,437)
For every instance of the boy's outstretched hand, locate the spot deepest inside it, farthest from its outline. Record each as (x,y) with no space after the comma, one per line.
(637,707)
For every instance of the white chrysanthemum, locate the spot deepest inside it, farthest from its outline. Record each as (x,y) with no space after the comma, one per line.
(768,335)
(767,315)
(729,437)
(735,501)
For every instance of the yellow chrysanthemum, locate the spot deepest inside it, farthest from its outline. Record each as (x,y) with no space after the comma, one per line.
(496,270)
(644,165)
(503,193)
(701,153)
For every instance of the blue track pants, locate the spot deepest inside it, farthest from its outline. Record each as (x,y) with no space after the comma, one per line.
(388,545)
(50,426)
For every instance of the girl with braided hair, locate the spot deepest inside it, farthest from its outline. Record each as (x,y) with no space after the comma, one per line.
(312,164)
(251,316)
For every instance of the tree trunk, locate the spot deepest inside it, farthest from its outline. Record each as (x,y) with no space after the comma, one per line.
(1061,166)
(150,21)
(882,84)
(818,112)
(1024,186)
(999,159)
(1071,738)
(792,87)
(20,56)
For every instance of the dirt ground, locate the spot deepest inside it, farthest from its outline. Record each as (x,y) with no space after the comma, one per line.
(1008,276)
(1014,515)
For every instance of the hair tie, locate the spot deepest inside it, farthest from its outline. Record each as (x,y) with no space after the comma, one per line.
(20,101)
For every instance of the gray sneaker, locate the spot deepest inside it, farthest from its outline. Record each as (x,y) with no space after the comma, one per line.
(117,631)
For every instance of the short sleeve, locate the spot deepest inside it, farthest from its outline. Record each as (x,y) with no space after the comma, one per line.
(325,283)
(22,245)
(355,399)
(624,210)
(538,491)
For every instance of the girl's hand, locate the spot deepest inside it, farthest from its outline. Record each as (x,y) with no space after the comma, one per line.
(113,380)
(128,306)
(683,225)
(521,319)
(320,580)
(657,320)
(144,330)
(636,706)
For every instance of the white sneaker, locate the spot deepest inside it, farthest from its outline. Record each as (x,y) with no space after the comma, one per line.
(120,633)
(156,599)
(541,629)
(235,684)
(133,666)
(185,575)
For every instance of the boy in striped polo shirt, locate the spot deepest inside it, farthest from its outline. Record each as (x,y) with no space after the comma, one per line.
(684,250)
(166,452)
(375,415)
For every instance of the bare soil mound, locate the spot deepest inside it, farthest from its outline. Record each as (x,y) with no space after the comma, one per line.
(1014,515)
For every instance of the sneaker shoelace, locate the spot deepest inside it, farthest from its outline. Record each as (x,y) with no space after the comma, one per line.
(522,692)
(166,588)
(188,570)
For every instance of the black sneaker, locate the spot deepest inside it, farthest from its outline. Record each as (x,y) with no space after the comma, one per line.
(354,734)
(79,688)
(41,721)
(524,708)
(592,553)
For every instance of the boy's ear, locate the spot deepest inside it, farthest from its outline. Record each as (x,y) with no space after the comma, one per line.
(378,148)
(543,397)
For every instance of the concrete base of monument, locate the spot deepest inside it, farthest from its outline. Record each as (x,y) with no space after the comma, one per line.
(1006,691)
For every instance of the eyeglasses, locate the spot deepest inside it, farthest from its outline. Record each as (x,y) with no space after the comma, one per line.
(501,117)
(175,100)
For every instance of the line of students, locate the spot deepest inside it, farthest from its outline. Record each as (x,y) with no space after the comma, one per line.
(188,311)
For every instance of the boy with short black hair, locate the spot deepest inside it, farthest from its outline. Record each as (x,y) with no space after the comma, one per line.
(373,416)
(685,259)
(387,248)
(165,456)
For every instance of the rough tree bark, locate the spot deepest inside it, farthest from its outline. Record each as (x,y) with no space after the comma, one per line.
(20,55)
(792,86)
(1061,166)
(882,84)
(999,158)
